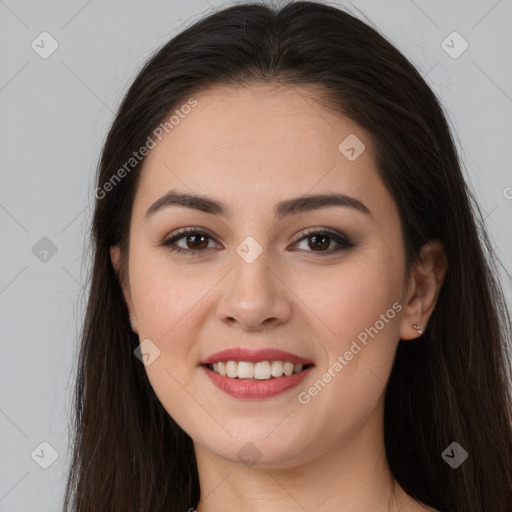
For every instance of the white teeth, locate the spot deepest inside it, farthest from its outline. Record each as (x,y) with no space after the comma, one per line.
(276,368)
(263,370)
(231,369)
(245,370)
(288,368)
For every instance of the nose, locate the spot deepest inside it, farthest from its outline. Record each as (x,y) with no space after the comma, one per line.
(254,298)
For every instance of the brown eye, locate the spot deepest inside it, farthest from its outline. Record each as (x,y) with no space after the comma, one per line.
(195,242)
(319,241)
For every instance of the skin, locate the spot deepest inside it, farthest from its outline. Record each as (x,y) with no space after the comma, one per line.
(252,147)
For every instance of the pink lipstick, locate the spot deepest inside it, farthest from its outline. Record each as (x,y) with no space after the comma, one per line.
(225,369)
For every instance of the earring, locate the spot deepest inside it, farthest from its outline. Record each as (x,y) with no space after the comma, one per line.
(133,322)
(417,327)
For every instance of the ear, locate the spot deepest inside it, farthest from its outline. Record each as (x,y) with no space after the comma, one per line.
(115,257)
(427,276)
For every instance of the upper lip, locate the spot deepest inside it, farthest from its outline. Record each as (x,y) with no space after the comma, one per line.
(254,356)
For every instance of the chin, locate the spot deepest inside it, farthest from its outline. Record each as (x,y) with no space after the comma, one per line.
(263,455)
(256,446)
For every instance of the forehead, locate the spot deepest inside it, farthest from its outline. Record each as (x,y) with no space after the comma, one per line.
(245,145)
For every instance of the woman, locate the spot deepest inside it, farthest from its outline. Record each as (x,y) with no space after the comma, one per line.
(293,305)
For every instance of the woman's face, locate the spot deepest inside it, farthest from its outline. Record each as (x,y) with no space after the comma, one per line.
(262,277)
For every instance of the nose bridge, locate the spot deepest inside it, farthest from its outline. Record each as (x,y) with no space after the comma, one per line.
(252,274)
(253,295)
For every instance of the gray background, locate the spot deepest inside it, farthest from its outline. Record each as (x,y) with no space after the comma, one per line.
(54,116)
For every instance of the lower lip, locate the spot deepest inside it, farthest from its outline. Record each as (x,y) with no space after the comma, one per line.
(256,389)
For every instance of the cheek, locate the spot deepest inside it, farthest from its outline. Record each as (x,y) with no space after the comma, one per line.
(167,301)
(166,295)
(351,297)
(360,310)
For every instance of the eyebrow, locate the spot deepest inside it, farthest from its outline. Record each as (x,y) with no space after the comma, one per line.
(293,206)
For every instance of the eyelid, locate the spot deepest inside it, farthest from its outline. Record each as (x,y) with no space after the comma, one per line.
(189,229)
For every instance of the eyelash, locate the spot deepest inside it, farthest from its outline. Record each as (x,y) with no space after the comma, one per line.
(342,240)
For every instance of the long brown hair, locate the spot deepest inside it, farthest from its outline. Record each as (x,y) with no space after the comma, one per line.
(450,385)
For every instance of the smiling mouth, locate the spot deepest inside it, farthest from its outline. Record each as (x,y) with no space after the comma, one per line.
(259,371)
